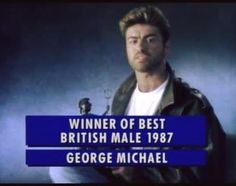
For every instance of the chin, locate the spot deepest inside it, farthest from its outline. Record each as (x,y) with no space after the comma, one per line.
(142,69)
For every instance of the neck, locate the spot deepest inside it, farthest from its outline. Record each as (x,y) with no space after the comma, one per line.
(148,81)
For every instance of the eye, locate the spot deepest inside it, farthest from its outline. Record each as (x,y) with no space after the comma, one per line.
(132,41)
(151,39)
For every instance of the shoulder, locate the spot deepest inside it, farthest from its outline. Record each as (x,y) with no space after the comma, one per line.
(126,86)
(123,94)
(128,83)
(189,94)
(200,97)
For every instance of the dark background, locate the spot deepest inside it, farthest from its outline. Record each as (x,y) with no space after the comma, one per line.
(53,54)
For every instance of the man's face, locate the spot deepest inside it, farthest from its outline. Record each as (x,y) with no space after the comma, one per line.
(145,48)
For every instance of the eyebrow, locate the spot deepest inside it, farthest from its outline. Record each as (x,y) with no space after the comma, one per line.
(148,35)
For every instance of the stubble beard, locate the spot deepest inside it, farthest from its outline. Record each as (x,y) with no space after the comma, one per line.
(148,66)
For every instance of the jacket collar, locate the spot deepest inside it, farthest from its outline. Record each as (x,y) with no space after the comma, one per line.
(168,95)
(123,95)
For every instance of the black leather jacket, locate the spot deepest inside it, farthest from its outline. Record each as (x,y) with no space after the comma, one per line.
(179,99)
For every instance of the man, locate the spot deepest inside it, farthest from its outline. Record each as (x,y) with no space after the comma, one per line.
(153,89)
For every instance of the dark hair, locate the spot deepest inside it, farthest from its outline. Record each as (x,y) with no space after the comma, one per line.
(84,101)
(146,15)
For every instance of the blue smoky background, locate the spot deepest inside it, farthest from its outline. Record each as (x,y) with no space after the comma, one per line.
(53,54)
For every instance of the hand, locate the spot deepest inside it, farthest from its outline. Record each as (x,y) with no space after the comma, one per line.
(126,173)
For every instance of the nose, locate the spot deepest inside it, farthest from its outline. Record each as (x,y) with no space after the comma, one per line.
(141,46)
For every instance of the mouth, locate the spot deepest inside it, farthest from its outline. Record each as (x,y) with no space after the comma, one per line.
(141,57)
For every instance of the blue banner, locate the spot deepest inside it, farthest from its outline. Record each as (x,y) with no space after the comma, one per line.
(116,158)
(93,131)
